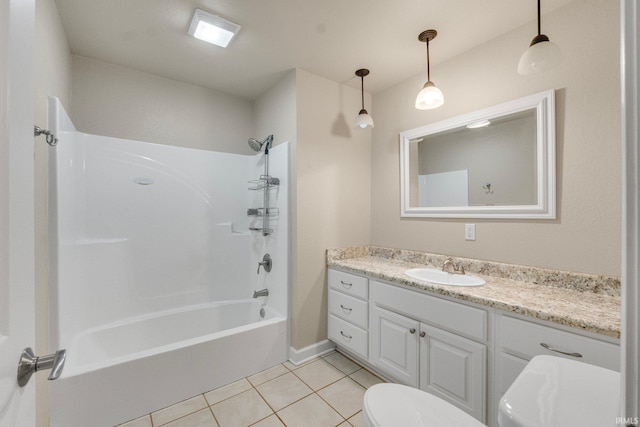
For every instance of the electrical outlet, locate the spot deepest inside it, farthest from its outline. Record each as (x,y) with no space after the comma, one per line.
(469,232)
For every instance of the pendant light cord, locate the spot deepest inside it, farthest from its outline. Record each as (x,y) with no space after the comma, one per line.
(539,31)
(362,90)
(428,69)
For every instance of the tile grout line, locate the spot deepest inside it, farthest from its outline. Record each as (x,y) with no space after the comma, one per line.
(211,410)
(289,370)
(185,415)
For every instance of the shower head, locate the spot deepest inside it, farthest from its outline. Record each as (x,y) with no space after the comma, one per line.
(257,145)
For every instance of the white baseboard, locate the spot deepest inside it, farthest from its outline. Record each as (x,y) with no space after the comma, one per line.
(298,357)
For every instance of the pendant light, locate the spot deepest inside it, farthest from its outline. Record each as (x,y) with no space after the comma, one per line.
(542,54)
(430,96)
(363,120)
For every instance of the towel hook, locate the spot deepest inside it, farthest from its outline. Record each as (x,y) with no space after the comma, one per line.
(49,136)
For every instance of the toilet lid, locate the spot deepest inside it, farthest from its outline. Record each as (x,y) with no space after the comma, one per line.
(388,405)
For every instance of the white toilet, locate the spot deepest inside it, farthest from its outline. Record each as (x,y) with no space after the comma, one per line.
(549,392)
(395,405)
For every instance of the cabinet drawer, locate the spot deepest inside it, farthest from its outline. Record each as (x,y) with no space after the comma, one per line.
(447,315)
(349,308)
(349,336)
(351,284)
(525,339)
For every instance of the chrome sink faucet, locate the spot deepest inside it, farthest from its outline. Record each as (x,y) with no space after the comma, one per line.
(450,267)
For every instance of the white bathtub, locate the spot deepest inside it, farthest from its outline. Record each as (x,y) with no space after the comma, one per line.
(124,370)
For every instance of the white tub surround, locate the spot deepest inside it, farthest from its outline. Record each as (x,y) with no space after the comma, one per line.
(153,269)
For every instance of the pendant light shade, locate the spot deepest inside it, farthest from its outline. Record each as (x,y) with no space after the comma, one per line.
(430,96)
(363,120)
(542,54)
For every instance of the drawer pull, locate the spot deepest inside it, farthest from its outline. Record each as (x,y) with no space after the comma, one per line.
(347,285)
(423,334)
(347,309)
(345,335)
(548,347)
(412,330)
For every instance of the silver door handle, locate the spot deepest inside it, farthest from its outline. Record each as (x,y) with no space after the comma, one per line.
(566,353)
(412,330)
(346,284)
(345,335)
(347,309)
(30,363)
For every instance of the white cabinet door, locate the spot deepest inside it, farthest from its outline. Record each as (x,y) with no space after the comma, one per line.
(454,368)
(394,345)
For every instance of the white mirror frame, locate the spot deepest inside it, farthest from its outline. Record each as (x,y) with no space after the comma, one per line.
(544,103)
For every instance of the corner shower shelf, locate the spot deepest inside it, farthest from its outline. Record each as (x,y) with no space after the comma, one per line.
(271,212)
(264,231)
(265,182)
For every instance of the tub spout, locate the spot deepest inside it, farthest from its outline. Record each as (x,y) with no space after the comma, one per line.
(261,293)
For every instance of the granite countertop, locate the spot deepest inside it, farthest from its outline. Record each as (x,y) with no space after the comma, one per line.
(587,302)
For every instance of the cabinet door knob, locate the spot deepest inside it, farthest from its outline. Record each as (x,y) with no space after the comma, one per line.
(347,309)
(346,284)
(566,353)
(412,330)
(423,334)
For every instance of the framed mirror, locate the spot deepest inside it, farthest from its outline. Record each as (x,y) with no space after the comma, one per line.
(498,162)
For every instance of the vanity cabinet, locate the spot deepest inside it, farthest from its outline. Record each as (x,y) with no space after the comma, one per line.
(446,347)
(518,341)
(409,344)
(349,311)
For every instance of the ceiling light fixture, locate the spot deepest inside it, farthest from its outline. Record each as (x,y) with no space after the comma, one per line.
(363,120)
(430,96)
(212,28)
(542,54)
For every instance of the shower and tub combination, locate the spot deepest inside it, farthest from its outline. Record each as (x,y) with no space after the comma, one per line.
(153,285)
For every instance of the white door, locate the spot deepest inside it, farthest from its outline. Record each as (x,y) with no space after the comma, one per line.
(17,404)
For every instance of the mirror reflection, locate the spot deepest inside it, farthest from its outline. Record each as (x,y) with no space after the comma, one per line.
(485,163)
(498,162)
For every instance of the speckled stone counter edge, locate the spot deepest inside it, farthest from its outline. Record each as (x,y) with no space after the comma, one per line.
(582,282)
(574,302)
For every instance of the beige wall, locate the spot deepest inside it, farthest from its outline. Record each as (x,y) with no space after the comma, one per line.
(121,102)
(585,237)
(52,77)
(333,193)
(275,111)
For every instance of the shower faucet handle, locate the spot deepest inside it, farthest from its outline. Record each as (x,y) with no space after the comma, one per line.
(30,363)
(266,263)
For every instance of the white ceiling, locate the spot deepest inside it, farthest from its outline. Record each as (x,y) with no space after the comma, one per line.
(329,38)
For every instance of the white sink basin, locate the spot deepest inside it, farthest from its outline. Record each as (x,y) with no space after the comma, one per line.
(440,277)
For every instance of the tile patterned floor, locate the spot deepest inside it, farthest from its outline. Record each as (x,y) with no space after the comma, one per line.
(324,392)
